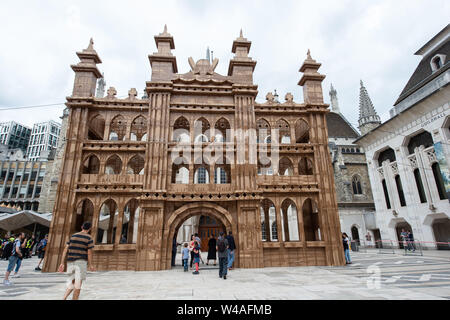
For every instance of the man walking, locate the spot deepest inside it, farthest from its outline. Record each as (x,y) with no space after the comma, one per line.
(231,248)
(222,245)
(79,256)
(41,251)
(15,255)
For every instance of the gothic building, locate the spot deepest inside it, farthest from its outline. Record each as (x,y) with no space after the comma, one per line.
(197,145)
(408,155)
(353,190)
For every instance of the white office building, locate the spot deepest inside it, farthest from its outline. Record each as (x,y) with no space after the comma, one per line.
(44,137)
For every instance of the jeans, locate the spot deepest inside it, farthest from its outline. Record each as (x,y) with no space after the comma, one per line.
(18,264)
(12,263)
(230,258)
(185,264)
(223,266)
(347,255)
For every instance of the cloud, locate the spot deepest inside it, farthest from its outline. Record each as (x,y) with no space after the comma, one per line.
(353,40)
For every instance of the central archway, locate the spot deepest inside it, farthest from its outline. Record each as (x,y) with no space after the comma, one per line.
(183,213)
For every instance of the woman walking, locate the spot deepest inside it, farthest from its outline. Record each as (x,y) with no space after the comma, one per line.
(212,252)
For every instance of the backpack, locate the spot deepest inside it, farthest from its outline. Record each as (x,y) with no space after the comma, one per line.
(221,245)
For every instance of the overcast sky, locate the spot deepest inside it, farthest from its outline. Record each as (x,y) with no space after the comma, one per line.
(370,40)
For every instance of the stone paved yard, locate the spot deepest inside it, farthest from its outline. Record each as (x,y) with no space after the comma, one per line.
(371,276)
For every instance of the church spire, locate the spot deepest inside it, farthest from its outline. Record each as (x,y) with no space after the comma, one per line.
(368,117)
(334,100)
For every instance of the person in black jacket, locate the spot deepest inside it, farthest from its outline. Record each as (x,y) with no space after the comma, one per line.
(231,249)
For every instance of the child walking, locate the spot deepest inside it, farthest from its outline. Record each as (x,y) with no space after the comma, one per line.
(185,256)
(196,251)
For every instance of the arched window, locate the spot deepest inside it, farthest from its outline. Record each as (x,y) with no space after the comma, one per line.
(91,165)
(285,167)
(265,169)
(401,195)
(130,222)
(113,165)
(107,222)
(138,128)
(439,181)
(220,130)
(117,128)
(301,131)
(356,184)
(269,220)
(419,185)
(355,234)
(421,139)
(263,231)
(311,221)
(181,130)
(387,154)
(437,62)
(262,131)
(136,165)
(386,194)
(284,131)
(289,220)
(180,171)
(201,175)
(305,166)
(201,130)
(222,174)
(96,128)
(84,212)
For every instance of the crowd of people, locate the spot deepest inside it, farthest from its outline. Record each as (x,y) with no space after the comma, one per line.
(221,249)
(19,247)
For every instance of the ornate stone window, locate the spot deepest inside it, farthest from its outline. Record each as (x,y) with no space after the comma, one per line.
(138,129)
(301,131)
(269,220)
(222,174)
(180,171)
(387,154)
(130,222)
(289,220)
(136,165)
(181,130)
(117,128)
(96,128)
(311,220)
(220,130)
(284,131)
(201,130)
(285,167)
(419,185)
(305,166)
(201,175)
(439,181)
(91,165)
(107,221)
(262,131)
(84,212)
(401,194)
(356,185)
(113,165)
(421,139)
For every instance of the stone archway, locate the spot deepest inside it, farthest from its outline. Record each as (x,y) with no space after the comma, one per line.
(183,213)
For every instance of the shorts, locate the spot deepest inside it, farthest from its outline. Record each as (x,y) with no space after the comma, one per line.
(76,271)
(12,263)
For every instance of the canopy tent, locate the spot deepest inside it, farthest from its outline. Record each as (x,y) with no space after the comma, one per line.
(13,221)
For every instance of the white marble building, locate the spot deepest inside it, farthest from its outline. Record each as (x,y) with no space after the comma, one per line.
(408,156)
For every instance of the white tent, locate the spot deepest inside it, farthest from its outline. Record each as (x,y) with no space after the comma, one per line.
(13,221)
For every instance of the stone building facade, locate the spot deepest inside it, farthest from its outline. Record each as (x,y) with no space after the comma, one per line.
(353,191)
(198,145)
(409,156)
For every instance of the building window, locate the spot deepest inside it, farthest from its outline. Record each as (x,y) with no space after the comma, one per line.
(421,139)
(437,63)
(356,184)
(401,195)
(419,185)
(386,194)
(439,181)
(387,154)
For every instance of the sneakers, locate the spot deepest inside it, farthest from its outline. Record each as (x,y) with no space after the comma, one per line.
(195,272)
(224,277)
(7,282)
(37,269)
(15,276)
